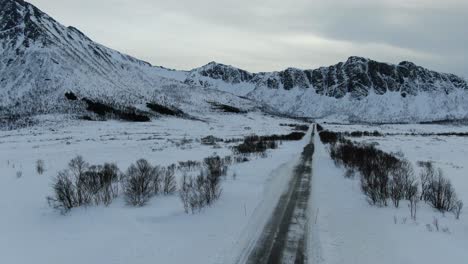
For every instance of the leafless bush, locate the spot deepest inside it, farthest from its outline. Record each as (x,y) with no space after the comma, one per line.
(382,174)
(203,189)
(215,166)
(457,208)
(413,206)
(169,181)
(185,190)
(82,185)
(240,159)
(403,183)
(189,165)
(102,183)
(65,196)
(40,166)
(19,174)
(440,193)
(255,145)
(138,183)
(428,174)
(193,193)
(157,176)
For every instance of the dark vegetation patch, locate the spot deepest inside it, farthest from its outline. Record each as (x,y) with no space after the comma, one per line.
(165,110)
(12,122)
(71,96)
(203,189)
(329,137)
(293,136)
(82,184)
(386,176)
(259,144)
(87,118)
(462,121)
(443,134)
(255,144)
(226,108)
(319,128)
(297,127)
(363,134)
(211,140)
(124,113)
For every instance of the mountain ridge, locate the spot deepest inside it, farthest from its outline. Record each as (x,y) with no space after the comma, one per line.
(339,79)
(43,59)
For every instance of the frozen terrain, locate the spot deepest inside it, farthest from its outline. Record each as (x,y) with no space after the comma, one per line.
(158,232)
(348,230)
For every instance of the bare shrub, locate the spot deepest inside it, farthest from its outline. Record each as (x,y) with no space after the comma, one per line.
(82,185)
(413,205)
(169,181)
(215,166)
(40,166)
(189,165)
(427,176)
(441,194)
(199,191)
(382,174)
(65,196)
(103,183)
(157,177)
(457,208)
(19,174)
(255,145)
(240,159)
(186,187)
(403,183)
(138,183)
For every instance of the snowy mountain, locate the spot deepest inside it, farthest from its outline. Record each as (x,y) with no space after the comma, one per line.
(359,89)
(42,60)
(357,77)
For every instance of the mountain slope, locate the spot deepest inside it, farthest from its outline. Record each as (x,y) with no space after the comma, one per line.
(357,76)
(41,60)
(359,89)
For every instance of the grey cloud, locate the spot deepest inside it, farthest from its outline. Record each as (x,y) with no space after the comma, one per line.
(254,34)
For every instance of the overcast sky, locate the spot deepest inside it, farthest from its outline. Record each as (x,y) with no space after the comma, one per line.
(274,34)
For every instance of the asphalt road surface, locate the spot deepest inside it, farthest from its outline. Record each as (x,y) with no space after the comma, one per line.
(283,239)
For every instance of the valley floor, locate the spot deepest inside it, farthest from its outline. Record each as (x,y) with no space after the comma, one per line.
(346,229)
(160,232)
(343,227)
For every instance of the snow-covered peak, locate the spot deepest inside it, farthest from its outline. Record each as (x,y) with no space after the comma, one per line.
(41,60)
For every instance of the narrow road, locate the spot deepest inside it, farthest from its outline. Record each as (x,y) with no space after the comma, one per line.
(283,239)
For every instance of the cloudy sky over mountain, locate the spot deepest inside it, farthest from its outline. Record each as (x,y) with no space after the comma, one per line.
(271,35)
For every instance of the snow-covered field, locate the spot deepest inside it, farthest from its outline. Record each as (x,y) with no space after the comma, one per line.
(347,229)
(160,232)
(344,228)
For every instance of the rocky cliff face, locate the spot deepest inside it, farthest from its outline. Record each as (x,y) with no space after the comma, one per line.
(356,77)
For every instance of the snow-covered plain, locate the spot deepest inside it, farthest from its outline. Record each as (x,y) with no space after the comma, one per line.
(160,232)
(346,229)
